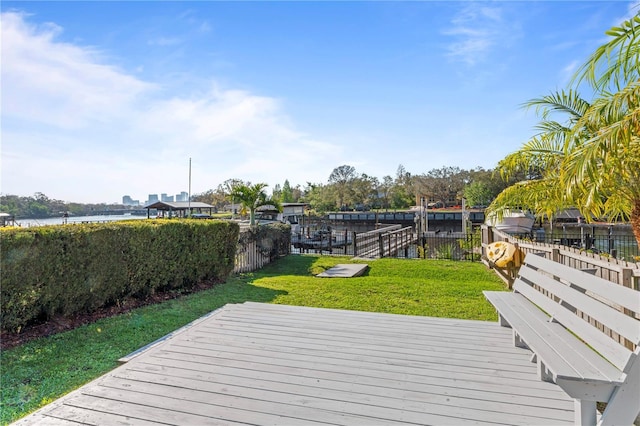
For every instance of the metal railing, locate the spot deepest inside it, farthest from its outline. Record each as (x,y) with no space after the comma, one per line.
(622,247)
(390,241)
(453,246)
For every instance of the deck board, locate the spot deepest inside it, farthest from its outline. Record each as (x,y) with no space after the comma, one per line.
(273,364)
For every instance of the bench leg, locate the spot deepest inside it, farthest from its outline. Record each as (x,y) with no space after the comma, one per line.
(518,342)
(544,374)
(585,412)
(503,322)
(624,405)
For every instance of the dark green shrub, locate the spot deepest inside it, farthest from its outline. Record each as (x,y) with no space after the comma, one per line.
(64,270)
(273,240)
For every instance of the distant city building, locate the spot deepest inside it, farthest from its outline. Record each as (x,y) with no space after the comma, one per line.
(183,196)
(128,201)
(153,198)
(166,198)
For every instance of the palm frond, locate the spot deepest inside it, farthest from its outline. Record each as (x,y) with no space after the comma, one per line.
(552,128)
(565,102)
(541,151)
(614,63)
(544,197)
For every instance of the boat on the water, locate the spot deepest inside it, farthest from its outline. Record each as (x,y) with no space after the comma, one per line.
(513,222)
(7,219)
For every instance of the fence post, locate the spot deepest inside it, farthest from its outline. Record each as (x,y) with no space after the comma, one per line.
(395,237)
(487,234)
(406,240)
(381,245)
(555,255)
(346,240)
(355,244)
(627,278)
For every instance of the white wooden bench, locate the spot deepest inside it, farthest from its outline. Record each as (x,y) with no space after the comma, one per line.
(545,311)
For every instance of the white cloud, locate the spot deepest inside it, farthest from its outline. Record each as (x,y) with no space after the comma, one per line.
(79,129)
(633,10)
(165,41)
(476,29)
(568,71)
(200,25)
(56,83)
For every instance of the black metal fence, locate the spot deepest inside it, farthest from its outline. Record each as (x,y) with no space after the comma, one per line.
(453,246)
(352,238)
(323,241)
(614,245)
(390,242)
(398,241)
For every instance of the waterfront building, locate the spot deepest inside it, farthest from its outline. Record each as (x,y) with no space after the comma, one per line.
(128,201)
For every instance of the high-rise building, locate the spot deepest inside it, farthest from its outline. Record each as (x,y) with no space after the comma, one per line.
(128,201)
(183,196)
(166,198)
(153,198)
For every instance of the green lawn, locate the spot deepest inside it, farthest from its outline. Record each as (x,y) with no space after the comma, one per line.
(43,370)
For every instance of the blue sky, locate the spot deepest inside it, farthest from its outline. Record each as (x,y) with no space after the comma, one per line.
(103,99)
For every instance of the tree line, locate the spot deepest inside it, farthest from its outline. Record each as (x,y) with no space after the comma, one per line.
(347,189)
(40,206)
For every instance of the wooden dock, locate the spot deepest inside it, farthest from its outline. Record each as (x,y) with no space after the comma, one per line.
(266,364)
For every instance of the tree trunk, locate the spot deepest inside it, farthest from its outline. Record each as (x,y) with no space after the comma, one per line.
(635,219)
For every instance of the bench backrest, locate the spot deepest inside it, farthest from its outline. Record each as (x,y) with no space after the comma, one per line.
(603,314)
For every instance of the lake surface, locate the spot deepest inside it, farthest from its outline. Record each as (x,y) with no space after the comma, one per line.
(26,223)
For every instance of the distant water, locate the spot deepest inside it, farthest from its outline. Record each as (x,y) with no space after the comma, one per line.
(26,223)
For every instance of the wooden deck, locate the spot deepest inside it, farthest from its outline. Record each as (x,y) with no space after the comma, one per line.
(267,364)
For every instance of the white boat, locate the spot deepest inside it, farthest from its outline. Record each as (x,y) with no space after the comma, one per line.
(7,219)
(513,222)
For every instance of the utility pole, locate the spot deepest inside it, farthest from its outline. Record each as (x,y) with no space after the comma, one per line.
(189,187)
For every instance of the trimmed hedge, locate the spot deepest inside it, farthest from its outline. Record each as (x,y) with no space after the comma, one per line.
(68,269)
(273,240)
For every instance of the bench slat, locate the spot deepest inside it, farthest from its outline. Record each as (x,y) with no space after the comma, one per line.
(552,342)
(606,315)
(607,347)
(619,295)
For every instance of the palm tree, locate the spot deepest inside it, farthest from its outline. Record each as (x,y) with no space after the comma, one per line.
(605,170)
(541,158)
(592,161)
(251,197)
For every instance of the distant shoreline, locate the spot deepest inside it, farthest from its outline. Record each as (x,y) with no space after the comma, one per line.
(71,220)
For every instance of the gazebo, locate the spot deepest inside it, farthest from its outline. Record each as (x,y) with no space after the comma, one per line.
(178,208)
